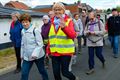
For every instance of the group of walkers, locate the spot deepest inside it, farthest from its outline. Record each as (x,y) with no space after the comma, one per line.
(56,41)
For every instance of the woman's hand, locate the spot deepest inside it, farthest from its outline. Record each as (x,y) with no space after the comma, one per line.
(62,23)
(92,33)
(34,57)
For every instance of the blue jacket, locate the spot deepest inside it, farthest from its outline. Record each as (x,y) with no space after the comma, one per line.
(15,34)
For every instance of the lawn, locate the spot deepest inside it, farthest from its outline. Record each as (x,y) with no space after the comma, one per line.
(7,52)
(7,57)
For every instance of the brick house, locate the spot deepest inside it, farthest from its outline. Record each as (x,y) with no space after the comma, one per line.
(72,7)
(17,4)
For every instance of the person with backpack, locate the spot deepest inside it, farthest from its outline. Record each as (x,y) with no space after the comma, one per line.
(15,37)
(94,32)
(31,48)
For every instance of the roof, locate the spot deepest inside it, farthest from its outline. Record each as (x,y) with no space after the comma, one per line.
(88,7)
(1,4)
(42,6)
(48,6)
(16,4)
(5,12)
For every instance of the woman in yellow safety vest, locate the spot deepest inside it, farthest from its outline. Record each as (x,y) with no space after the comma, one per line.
(61,46)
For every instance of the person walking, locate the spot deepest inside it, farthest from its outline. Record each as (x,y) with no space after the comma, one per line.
(76,28)
(85,20)
(31,48)
(51,14)
(80,32)
(113,28)
(61,45)
(45,31)
(15,37)
(94,31)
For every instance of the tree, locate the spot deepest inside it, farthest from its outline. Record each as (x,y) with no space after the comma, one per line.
(108,10)
(118,8)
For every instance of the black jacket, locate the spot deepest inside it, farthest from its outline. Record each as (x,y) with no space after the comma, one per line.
(114,25)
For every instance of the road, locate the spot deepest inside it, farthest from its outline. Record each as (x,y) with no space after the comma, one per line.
(111,72)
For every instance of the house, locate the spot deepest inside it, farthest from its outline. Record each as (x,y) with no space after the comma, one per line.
(16,4)
(5,21)
(1,4)
(72,7)
(47,8)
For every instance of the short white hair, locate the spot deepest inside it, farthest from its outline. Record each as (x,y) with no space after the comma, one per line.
(16,13)
(46,17)
(68,13)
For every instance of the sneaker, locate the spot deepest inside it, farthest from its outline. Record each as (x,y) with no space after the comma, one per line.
(115,56)
(79,52)
(91,71)
(74,59)
(103,65)
(17,70)
(77,78)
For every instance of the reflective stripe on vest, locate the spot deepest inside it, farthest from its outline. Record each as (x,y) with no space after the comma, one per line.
(60,42)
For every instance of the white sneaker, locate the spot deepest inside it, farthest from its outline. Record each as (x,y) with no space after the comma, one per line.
(77,78)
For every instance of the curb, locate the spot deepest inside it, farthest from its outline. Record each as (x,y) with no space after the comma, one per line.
(7,69)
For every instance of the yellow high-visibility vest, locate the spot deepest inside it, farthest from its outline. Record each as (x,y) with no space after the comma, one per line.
(59,42)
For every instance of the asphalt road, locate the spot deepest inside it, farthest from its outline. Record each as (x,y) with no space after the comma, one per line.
(111,72)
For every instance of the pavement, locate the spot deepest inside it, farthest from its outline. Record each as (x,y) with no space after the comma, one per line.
(111,72)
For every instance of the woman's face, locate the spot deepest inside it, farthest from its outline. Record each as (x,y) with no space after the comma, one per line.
(26,24)
(91,16)
(58,11)
(76,17)
(14,18)
(45,21)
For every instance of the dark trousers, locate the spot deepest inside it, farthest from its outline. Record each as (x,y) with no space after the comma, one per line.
(61,64)
(26,66)
(79,43)
(98,52)
(84,39)
(17,53)
(46,58)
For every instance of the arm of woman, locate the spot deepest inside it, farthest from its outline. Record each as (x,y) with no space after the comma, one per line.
(39,42)
(69,30)
(102,31)
(22,47)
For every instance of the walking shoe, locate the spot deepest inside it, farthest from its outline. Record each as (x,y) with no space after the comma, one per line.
(91,71)
(115,56)
(103,65)
(79,52)
(77,78)
(17,70)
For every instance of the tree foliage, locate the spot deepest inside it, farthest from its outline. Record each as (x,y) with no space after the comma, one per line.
(118,8)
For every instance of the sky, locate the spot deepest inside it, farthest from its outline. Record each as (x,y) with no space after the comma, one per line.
(96,4)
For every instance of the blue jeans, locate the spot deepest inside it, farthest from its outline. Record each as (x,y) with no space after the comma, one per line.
(61,64)
(98,52)
(115,43)
(26,66)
